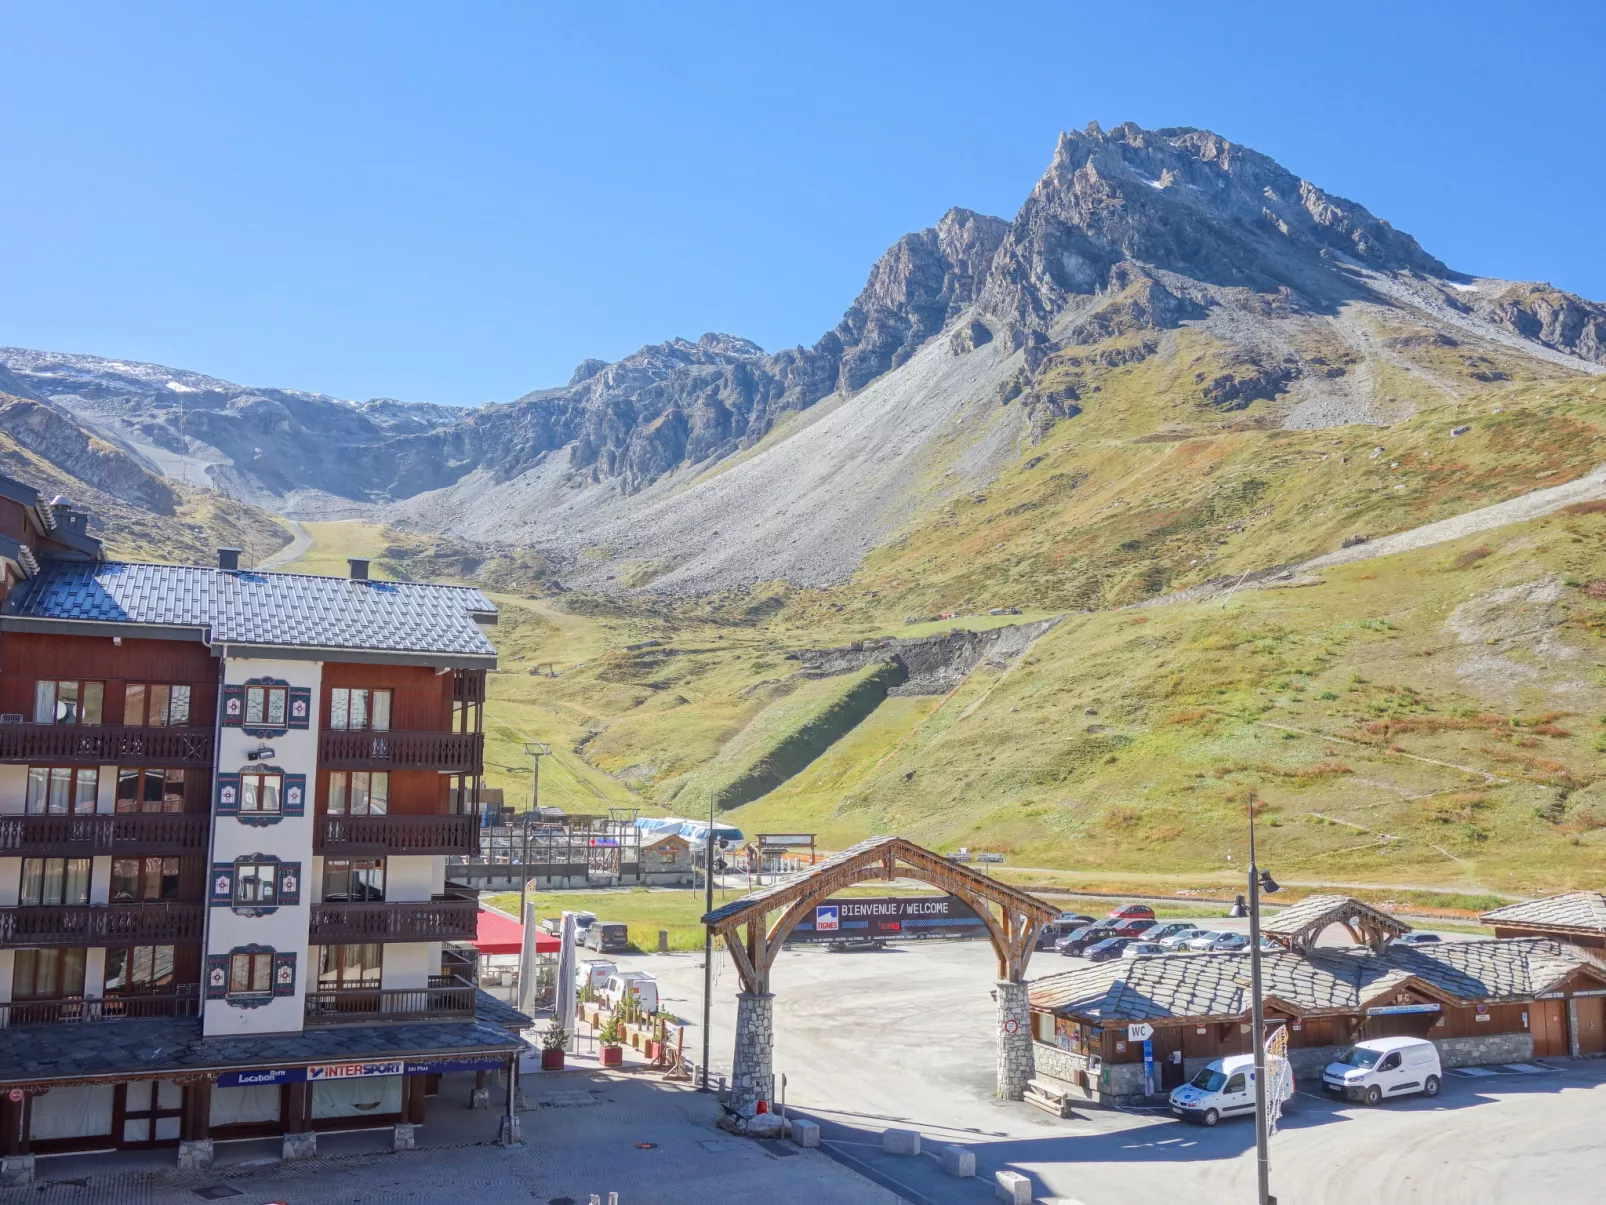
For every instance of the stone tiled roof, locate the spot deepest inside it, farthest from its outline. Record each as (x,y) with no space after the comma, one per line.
(1318,981)
(1331,909)
(1574,910)
(160,1046)
(264,609)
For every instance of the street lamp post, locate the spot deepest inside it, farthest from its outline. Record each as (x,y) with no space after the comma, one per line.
(536,750)
(708,935)
(1257,882)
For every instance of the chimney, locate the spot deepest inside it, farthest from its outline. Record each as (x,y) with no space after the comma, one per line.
(228,559)
(359,568)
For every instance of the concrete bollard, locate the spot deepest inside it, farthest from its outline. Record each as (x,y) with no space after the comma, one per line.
(403,1137)
(507,1133)
(663,941)
(1012,1187)
(900,1142)
(959,1161)
(195,1156)
(479,1098)
(299,1146)
(16,1170)
(805,1133)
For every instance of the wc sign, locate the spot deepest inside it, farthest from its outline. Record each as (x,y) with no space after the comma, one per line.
(825,919)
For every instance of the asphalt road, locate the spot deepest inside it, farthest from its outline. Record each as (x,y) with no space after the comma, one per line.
(904,1037)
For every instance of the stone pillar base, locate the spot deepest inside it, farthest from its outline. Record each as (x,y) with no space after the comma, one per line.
(753,1071)
(508,1133)
(195,1156)
(300,1146)
(16,1170)
(403,1137)
(1016,1066)
(479,1098)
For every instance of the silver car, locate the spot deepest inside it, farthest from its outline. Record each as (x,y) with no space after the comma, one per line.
(1179,941)
(1140,948)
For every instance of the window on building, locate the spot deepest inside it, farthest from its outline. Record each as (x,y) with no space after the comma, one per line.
(60,791)
(266,706)
(155,704)
(150,790)
(349,966)
(58,701)
(260,792)
(47,974)
(256,882)
(359,793)
(354,709)
(48,882)
(251,973)
(353,880)
(139,970)
(136,880)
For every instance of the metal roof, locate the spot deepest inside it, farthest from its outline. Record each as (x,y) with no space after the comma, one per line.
(268,611)
(1317,981)
(1584,910)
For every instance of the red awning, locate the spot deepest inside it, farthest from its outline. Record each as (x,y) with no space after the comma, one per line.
(499,933)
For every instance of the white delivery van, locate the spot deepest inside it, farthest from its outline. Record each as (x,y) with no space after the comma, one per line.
(645,986)
(1226,1088)
(1382,1067)
(595,971)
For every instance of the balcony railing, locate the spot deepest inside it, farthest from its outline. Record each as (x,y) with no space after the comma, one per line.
(447,998)
(447,752)
(101,924)
(89,744)
(124,833)
(179,1003)
(445,835)
(453,917)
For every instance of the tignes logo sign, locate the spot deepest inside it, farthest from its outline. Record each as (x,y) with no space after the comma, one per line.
(825,918)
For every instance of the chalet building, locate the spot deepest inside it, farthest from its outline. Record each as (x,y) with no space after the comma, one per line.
(227,799)
(1487,1001)
(1577,918)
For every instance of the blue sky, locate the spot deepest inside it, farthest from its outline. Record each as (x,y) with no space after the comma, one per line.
(457,203)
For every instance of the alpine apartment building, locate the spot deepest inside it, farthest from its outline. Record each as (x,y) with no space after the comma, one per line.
(227,801)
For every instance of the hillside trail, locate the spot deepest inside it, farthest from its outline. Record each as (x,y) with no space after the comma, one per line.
(294,550)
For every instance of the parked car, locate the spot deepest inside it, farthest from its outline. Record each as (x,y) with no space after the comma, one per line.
(1416,939)
(1131,912)
(1074,920)
(1219,943)
(1079,940)
(1110,947)
(595,971)
(1180,940)
(844,945)
(1167,929)
(1381,1067)
(1226,1088)
(616,985)
(554,924)
(1133,927)
(1138,949)
(1049,934)
(606,937)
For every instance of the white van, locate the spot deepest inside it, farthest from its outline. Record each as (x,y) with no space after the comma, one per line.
(1383,1067)
(595,971)
(1226,1088)
(645,987)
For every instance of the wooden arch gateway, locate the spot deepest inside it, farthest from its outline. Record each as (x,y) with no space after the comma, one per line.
(1012,919)
(1299,926)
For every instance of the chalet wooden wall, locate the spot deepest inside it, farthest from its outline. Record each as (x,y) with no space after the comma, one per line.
(412,792)
(421,702)
(25,657)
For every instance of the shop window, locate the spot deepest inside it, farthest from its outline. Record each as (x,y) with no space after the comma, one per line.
(54,882)
(58,701)
(354,880)
(260,792)
(155,704)
(354,709)
(152,1110)
(138,880)
(60,791)
(150,790)
(359,792)
(139,970)
(350,966)
(47,974)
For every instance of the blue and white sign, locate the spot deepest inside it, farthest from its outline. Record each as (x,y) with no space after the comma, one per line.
(825,918)
(267,1075)
(1396,1010)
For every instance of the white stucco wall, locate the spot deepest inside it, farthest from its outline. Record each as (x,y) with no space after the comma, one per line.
(406,964)
(409,877)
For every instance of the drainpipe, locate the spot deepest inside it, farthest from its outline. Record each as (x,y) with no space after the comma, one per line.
(211,816)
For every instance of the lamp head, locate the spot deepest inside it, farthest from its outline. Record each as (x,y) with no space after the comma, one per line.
(1268,884)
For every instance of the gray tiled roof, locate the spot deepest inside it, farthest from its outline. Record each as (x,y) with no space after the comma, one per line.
(1291,920)
(246,607)
(1322,980)
(163,1045)
(1574,910)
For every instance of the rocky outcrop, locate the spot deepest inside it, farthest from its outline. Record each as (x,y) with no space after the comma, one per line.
(48,434)
(931,664)
(1550,316)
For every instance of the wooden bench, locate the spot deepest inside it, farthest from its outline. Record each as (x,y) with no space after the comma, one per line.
(1050,1096)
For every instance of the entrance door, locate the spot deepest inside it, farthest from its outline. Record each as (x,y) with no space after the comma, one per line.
(149,1112)
(1548,1020)
(1591,1024)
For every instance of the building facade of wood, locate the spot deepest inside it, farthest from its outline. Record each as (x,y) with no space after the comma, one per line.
(227,800)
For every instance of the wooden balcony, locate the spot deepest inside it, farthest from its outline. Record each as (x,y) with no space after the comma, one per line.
(101,924)
(76,1010)
(86,836)
(442,835)
(447,998)
(453,917)
(88,744)
(447,752)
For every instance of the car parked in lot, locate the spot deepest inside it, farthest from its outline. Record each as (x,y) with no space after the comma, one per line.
(1131,912)
(1219,943)
(643,985)
(1226,1088)
(1139,949)
(1079,940)
(1416,939)
(1074,920)
(1110,947)
(1384,1067)
(1169,928)
(1132,926)
(595,971)
(847,945)
(606,937)
(1180,940)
